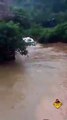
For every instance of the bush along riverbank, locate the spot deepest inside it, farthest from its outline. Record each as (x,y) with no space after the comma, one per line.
(10,41)
(48,35)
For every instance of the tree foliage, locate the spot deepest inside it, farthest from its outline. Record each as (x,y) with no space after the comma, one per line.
(49,35)
(21,17)
(10,40)
(57,34)
(45,12)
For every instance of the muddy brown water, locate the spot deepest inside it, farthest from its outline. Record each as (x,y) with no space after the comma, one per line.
(30,85)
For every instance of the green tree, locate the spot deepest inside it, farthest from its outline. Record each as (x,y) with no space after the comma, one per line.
(21,17)
(53,35)
(10,41)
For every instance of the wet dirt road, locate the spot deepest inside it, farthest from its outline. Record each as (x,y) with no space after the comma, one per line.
(29,86)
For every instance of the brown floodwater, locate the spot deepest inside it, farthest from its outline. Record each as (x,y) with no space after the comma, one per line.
(30,85)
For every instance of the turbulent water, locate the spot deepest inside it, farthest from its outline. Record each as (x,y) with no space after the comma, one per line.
(30,85)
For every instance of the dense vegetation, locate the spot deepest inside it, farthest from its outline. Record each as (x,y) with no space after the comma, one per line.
(47,13)
(49,35)
(10,41)
(57,33)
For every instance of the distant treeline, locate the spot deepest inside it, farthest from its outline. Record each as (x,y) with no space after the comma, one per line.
(41,33)
(47,13)
(48,35)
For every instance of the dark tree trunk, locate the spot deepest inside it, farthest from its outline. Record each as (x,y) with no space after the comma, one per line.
(7,55)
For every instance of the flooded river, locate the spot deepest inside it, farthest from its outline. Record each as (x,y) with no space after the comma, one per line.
(30,85)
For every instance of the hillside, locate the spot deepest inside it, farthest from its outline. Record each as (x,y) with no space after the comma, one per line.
(44,10)
(40,11)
